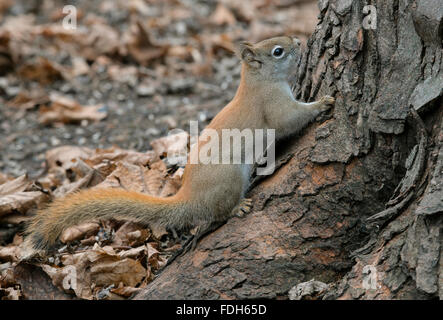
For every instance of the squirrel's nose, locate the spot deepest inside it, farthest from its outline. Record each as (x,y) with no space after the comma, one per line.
(296,41)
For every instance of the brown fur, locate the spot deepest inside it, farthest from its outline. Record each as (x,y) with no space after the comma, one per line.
(209,192)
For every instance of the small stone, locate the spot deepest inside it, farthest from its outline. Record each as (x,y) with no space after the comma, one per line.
(145,90)
(55,141)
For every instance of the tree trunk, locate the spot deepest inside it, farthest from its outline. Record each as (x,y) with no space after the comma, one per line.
(357,201)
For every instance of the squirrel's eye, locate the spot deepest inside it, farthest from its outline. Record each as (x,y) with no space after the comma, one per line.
(278,52)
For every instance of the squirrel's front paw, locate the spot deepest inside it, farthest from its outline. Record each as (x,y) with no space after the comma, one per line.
(327,102)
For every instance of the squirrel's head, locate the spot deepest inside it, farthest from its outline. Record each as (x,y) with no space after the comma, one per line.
(270,59)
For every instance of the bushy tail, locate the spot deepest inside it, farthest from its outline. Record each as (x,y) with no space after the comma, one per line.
(89,205)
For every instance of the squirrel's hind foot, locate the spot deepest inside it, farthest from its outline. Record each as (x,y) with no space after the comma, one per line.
(327,102)
(244,207)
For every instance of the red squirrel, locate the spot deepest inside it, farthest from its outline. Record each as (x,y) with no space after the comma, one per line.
(209,192)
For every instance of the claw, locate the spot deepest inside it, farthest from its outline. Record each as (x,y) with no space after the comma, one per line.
(328,100)
(326,103)
(242,208)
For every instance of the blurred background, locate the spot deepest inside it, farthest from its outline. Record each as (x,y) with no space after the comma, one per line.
(123,72)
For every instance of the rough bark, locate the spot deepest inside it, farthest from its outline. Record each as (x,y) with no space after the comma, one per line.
(357,202)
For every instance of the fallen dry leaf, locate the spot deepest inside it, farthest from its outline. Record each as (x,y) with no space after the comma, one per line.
(130,234)
(98,267)
(19,184)
(82,183)
(10,253)
(126,176)
(15,218)
(154,258)
(66,156)
(42,70)
(245,10)
(154,181)
(222,15)
(126,271)
(175,147)
(27,100)
(140,44)
(56,177)
(172,184)
(65,110)
(133,253)
(99,39)
(35,283)
(115,154)
(20,201)
(78,232)
(80,168)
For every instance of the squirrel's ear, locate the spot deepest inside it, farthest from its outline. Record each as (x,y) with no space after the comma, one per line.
(245,51)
